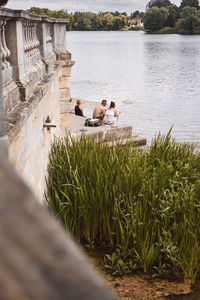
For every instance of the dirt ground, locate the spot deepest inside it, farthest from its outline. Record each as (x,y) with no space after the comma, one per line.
(141,286)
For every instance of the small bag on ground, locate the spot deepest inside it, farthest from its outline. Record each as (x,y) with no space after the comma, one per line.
(92,122)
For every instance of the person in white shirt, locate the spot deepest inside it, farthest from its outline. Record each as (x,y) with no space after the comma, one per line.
(111,114)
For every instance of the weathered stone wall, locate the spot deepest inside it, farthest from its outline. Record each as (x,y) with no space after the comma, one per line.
(30,142)
(36,70)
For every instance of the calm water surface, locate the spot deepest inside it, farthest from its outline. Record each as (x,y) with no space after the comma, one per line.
(154,79)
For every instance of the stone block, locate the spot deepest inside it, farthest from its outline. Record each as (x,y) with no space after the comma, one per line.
(118,133)
(7,74)
(11,95)
(64,123)
(65,107)
(26,90)
(26,87)
(63,82)
(66,71)
(49,62)
(64,94)
(64,55)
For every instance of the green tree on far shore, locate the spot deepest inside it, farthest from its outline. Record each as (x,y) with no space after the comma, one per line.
(173,16)
(191,3)
(190,21)
(87,20)
(155,18)
(158,3)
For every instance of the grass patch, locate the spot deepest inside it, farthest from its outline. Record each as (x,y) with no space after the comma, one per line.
(165,30)
(142,205)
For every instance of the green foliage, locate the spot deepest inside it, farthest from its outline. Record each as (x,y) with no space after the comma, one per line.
(190,21)
(160,15)
(117,266)
(184,21)
(135,14)
(166,30)
(87,20)
(173,16)
(191,3)
(145,202)
(158,3)
(188,11)
(155,18)
(61,14)
(101,21)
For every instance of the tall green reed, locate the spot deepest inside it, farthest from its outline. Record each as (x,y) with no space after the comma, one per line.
(145,202)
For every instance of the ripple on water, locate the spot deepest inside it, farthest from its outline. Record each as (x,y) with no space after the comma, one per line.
(153,79)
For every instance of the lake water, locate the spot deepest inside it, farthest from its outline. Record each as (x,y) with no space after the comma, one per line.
(154,79)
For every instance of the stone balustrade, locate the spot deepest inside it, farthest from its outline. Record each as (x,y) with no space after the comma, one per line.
(35,77)
(30,47)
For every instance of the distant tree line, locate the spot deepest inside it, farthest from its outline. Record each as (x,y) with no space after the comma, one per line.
(164,17)
(87,20)
(161,16)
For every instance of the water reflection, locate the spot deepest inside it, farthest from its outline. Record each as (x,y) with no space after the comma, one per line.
(153,78)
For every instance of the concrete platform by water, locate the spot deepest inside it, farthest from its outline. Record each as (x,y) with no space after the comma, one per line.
(119,134)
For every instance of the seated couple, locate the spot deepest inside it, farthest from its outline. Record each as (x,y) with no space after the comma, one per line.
(109,115)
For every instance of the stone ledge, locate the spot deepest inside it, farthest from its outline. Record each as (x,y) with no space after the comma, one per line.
(135,141)
(120,134)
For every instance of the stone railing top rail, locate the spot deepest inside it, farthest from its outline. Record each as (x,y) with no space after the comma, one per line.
(24,15)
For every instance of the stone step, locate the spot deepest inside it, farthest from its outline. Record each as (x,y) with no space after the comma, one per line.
(136,141)
(110,134)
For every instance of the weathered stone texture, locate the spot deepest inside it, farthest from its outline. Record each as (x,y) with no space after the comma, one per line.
(66,71)
(64,82)
(30,143)
(11,95)
(36,70)
(116,133)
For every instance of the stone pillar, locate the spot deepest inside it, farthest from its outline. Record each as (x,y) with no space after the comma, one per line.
(46,48)
(59,43)
(15,42)
(64,85)
(59,36)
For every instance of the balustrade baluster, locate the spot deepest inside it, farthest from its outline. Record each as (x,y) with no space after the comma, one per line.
(29,39)
(3,53)
(7,51)
(25,30)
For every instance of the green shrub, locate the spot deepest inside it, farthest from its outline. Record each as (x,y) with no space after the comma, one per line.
(137,28)
(166,30)
(145,202)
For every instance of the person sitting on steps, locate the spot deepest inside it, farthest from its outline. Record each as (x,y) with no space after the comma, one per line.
(79,109)
(100,110)
(111,114)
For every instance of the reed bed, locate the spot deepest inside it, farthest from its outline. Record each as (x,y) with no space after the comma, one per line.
(141,205)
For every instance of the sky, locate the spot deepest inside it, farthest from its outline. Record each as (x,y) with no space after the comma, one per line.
(84,5)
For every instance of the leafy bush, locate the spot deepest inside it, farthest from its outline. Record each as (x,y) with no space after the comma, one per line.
(145,202)
(155,18)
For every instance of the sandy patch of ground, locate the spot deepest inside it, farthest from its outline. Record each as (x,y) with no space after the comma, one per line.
(140,286)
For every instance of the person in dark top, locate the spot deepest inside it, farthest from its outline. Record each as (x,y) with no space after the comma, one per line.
(79,109)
